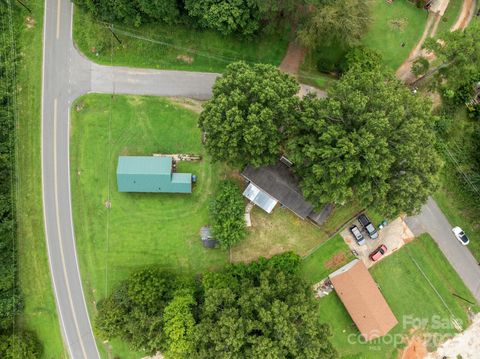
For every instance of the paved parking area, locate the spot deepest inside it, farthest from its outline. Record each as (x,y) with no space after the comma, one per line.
(394,236)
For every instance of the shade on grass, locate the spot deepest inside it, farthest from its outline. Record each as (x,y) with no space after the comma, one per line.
(410,297)
(178,47)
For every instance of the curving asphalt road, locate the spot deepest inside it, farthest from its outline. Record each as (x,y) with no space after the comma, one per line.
(432,220)
(66,76)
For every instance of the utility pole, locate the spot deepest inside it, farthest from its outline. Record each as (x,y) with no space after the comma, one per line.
(110,27)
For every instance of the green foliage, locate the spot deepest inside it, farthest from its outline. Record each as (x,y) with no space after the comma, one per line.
(371,139)
(364,58)
(179,325)
(22,345)
(459,53)
(420,66)
(340,22)
(11,301)
(241,16)
(133,12)
(134,311)
(245,17)
(227,213)
(259,314)
(250,105)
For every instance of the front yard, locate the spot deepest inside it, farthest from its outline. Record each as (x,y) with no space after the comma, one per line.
(424,307)
(117,233)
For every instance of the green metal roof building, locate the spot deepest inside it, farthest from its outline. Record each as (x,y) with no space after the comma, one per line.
(151,174)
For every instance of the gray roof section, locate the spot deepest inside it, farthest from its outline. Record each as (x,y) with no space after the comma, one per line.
(279,182)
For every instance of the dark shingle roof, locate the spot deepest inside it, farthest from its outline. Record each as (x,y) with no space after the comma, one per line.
(279,182)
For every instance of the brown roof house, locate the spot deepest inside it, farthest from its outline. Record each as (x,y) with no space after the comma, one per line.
(363,300)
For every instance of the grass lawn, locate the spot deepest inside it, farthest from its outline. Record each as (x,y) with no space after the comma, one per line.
(394,24)
(450,16)
(39,314)
(139,229)
(283,231)
(410,297)
(173,46)
(327,258)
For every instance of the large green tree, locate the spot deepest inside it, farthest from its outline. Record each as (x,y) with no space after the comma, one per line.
(371,139)
(227,213)
(339,22)
(133,11)
(134,311)
(243,121)
(260,311)
(459,56)
(179,325)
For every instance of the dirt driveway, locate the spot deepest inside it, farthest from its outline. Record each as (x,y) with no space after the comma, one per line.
(394,236)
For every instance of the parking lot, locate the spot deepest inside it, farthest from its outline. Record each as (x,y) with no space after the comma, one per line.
(393,236)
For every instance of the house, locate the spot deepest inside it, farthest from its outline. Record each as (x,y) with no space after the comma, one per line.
(151,174)
(207,238)
(272,184)
(363,300)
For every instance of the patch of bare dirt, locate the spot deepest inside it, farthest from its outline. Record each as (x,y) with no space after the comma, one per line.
(30,22)
(466,15)
(188,103)
(185,58)
(293,58)
(336,260)
(416,349)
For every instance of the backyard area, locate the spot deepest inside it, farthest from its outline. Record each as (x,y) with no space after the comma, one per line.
(402,279)
(283,231)
(172,46)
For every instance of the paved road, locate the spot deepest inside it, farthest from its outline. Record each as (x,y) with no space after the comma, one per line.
(67,75)
(432,220)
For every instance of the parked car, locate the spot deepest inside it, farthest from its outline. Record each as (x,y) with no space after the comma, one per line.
(378,253)
(461,236)
(357,235)
(368,226)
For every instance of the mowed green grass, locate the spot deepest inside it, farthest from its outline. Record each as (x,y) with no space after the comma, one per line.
(39,314)
(319,264)
(139,229)
(411,298)
(163,46)
(394,24)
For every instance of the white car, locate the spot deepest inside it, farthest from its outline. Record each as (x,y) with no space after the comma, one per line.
(461,236)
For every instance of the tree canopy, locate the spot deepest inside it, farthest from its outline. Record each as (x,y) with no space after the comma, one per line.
(259,311)
(135,310)
(339,22)
(459,53)
(244,118)
(133,11)
(227,213)
(371,139)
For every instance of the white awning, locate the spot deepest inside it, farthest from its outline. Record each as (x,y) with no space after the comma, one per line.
(260,198)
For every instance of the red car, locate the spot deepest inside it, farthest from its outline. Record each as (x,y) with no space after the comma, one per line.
(378,253)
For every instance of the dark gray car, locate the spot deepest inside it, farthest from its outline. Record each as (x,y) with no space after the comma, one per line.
(368,226)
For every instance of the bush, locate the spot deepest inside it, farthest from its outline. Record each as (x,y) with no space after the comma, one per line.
(227,213)
(420,66)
